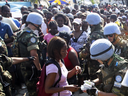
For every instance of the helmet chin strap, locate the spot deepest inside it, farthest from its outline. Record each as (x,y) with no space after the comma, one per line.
(36,27)
(115,40)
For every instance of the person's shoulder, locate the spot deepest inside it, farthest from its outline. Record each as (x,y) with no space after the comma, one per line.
(4,24)
(51,68)
(72,51)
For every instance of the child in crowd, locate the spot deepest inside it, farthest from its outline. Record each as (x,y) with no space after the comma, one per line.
(52,31)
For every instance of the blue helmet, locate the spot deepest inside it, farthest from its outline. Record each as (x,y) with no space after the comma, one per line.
(93,18)
(34,18)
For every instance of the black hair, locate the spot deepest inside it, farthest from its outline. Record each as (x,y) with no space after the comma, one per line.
(35,6)
(50,13)
(3,7)
(82,10)
(82,6)
(113,16)
(122,10)
(61,15)
(52,23)
(73,9)
(25,12)
(65,35)
(24,18)
(102,11)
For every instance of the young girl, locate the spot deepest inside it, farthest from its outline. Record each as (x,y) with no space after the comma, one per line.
(52,31)
(57,50)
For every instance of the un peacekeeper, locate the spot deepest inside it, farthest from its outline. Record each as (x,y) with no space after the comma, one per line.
(29,47)
(112,32)
(5,63)
(113,69)
(94,20)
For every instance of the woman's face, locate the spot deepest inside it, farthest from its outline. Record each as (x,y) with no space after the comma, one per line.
(84,26)
(76,27)
(63,51)
(60,21)
(48,17)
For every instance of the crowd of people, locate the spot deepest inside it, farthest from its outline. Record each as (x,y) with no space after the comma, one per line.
(85,41)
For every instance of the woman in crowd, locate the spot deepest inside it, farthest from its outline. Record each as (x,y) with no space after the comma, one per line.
(71,60)
(57,50)
(79,37)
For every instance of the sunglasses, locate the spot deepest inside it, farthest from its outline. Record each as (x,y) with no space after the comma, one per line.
(109,35)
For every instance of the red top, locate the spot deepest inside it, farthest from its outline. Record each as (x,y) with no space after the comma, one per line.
(68,63)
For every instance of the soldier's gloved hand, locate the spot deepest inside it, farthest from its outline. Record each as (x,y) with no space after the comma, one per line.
(31,58)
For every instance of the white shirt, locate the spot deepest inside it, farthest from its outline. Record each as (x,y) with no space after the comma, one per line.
(65,28)
(44,28)
(80,42)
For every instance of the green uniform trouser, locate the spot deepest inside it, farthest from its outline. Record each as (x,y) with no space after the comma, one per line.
(31,84)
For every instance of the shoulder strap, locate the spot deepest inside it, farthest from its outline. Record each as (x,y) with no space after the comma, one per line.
(58,66)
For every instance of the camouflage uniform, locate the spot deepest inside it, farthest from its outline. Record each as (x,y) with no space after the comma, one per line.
(112,75)
(5,63)
(27,42)
(3,48)
(93,65)
(121,48)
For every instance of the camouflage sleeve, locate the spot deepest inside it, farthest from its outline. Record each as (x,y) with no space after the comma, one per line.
(94,37)
(7,61)
(85,51)
(32,42)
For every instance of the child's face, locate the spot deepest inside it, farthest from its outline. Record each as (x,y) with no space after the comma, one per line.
(54,30)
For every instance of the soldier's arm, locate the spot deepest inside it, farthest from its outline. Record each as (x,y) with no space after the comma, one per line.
(36,61)
(16,60)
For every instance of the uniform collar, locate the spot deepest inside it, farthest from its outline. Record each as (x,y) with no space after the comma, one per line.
(96,28)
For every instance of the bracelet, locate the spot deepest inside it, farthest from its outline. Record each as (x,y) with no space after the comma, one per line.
(64,88)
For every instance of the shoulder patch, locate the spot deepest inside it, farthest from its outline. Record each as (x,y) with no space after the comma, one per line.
(118,78)
(33,40)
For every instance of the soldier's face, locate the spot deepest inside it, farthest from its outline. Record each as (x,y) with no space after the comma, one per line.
(110,37)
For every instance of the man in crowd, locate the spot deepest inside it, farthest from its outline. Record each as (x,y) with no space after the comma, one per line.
(29,46)
(112,32)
